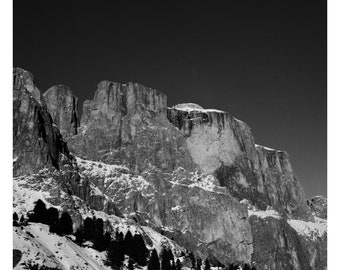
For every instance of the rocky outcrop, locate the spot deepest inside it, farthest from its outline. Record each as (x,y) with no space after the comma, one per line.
(189,207)
(37,142)
(63,106)
(318,206)
(282,188)
(126,124)
(288,244)
(224,146)
(195,175)
(38,145)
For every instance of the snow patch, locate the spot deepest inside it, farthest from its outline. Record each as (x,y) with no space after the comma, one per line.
(253,211)
(41,247)
(176,208)
(189,109)
(25,194)
(264,214)
(309,229)
(264,147)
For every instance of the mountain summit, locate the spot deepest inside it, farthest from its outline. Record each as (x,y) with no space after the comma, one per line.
(185,178)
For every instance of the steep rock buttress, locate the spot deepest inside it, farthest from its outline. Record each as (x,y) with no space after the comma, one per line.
(198,176)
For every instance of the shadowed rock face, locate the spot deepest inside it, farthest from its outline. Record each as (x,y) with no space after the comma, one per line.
(36,141)
(38,144)
(63,106)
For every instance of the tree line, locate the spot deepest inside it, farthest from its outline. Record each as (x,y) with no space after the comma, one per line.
(119,246)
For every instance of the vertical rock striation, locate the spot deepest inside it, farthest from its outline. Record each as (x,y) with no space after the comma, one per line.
(126,124)
(187,171)
(224,146)
(63,106)
(37,142)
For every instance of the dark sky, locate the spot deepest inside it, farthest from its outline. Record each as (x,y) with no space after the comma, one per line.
(262,61)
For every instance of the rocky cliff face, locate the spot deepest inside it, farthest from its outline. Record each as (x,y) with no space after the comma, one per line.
(126,124)
(38,144)
(63,107)
(288,244)
(187,206)
(195,175)
(318,206)
(224,146)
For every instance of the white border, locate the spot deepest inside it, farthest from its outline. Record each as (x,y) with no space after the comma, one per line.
(6,53)
(333,116)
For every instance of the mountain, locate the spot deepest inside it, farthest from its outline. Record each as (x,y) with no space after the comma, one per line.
(190,176)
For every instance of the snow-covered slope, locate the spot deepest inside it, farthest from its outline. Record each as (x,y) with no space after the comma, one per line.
(309,229)
(38,246)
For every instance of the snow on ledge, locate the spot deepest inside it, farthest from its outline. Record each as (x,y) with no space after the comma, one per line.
(264,214)
(264,147)
(192,107)
(253,211)
(308,228)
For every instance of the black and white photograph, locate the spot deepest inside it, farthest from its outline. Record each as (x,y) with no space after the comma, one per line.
(168,135)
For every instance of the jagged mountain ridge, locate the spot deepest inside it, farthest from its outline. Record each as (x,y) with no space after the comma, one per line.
(177,186)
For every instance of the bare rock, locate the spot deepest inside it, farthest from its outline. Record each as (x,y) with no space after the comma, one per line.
(63,106)
(224,146)
(38,145)
(189,207)
(280,246)
(318,206)
(126,124)
(37,142)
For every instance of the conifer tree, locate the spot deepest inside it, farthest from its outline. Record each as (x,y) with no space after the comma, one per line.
(173,266)
(88,229)
(99,226)
(79,234)
(66,224)
(153,263)
(198,264)
(166,261)
(128,244)
(119,236)
(207,264)
(107,239)
(139,252)
(98,235)
(39,212)
(15,219)
(115,255)
(178,264)
(130,264)
(52,216)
